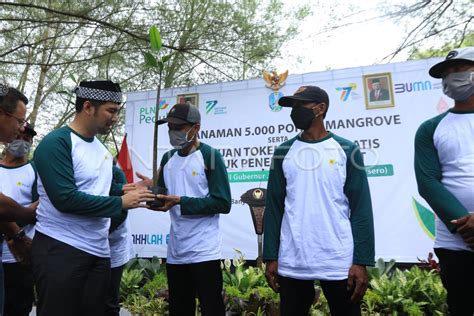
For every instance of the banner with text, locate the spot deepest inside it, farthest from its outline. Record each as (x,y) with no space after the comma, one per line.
(377,107)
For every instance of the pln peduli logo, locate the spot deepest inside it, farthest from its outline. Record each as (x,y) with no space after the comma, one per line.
(426,218)
(275,81)
(147,112)
(348,91)
(163,104)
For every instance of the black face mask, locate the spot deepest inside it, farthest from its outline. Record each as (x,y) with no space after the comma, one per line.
(302,117)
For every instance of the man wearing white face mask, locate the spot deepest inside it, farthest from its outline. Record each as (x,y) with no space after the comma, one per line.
(444,167)
(19,182)
(196,180)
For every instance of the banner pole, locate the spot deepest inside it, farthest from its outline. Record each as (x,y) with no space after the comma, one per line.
(260,251)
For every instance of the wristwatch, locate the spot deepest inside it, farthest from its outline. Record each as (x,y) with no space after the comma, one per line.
(18,236)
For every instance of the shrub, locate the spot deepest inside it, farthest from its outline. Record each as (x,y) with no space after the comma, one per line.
(130,283)
(144,287)
(411,292)
(150,267)
(138,304)
(144,290)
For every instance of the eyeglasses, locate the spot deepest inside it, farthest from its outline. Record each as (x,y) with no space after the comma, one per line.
(21,122)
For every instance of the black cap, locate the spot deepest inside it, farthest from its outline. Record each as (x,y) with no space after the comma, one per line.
(305,94)
(29,130)
(456,56)
(182,113)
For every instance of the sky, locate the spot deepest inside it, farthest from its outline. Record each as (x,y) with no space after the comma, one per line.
(356,45)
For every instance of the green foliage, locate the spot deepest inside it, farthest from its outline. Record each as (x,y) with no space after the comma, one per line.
(161,65)
(255,302)
(381,268)
(149,267)
(48,47)
(411,292)
(165,58)
(155,39)
(443,50)
(130,283)
(246,289)
(235,274)
(150,60)
(134,302)
(391,291)
(268,293)
(321,306)
(144,287)
(142,305)
(158,286)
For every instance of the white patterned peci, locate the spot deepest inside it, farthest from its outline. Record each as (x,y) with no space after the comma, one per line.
(97,94)
(3,89)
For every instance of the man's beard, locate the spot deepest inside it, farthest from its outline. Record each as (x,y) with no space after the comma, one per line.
(104,129)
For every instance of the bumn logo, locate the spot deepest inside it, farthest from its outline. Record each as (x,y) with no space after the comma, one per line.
(415,86)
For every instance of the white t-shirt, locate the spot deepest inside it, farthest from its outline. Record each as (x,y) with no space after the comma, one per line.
(18,183)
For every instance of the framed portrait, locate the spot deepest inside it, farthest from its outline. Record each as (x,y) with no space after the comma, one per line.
(192,98)
(378,90)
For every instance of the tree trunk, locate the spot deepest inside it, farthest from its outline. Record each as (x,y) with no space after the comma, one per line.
(41,81)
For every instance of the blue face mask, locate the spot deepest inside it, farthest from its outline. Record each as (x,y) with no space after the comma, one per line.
(19,148)
(459,85)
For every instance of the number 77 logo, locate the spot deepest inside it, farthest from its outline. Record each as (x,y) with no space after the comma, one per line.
(210,105)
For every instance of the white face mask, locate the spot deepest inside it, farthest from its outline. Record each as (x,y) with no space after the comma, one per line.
(179,139)
(19,148)
(459,85)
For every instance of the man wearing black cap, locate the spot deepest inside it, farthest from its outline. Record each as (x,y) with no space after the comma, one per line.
(444,168)
(71,253)
(18,182)
(195,177)
(318,222)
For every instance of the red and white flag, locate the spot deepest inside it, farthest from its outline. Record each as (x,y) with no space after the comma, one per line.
(124,161)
